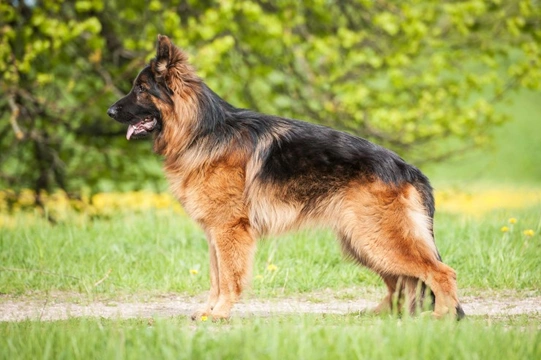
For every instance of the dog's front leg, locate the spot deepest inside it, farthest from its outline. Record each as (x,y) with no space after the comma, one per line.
(214,292)
(235,247)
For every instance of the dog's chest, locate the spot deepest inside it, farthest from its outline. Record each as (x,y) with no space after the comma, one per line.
(211,195)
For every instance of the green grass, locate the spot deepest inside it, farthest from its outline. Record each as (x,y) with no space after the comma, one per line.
(291,337)
(154,252)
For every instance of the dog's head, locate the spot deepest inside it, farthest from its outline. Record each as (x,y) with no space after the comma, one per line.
(146,105)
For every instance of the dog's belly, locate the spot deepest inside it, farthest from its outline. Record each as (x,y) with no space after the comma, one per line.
(273,210)
(269,215)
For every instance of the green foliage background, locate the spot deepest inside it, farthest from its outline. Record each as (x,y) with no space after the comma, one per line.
(421,77)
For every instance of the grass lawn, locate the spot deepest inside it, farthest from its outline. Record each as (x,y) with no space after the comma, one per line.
(292,337)
(160,251)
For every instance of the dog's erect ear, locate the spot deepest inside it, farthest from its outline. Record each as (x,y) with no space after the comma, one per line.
(163,52)
(163,55)
(167,55)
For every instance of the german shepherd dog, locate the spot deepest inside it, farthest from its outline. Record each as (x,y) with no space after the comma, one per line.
(240,175)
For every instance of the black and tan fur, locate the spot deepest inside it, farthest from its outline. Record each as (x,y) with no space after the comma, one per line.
(241,175)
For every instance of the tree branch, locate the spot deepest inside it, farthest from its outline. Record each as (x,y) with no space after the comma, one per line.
(19,134)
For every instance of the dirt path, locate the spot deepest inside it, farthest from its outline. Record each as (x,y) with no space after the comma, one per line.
(64,306)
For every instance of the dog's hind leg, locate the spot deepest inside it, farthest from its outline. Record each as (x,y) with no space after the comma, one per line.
(393,300)
(390,301)
(417,296)
(404,293)
(234,247)
(388,231)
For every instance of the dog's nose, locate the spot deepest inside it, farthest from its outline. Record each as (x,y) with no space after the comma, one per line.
(112,112)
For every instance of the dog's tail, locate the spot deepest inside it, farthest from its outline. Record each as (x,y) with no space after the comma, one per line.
(419,300)
(423,298)
(422,185)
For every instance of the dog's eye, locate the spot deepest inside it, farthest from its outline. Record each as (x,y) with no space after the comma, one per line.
(140,89)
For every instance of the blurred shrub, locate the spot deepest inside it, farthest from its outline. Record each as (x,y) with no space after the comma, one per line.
(421,77)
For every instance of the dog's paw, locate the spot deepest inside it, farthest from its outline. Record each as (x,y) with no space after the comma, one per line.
(201,315)
(220,316)
(446,313)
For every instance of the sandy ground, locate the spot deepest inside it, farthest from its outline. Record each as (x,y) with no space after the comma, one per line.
(64,306)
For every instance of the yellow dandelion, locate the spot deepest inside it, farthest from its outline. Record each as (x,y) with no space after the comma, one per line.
(512,220)
(204,318)
(504,229)
(194,271)
(272,267)
(529,232)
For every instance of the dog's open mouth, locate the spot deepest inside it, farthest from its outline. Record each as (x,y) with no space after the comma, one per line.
(142,128)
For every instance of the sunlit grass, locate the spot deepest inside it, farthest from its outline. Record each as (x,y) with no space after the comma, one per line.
(163,251)
(285,337)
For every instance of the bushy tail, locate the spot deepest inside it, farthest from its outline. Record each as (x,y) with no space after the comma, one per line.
(423,298)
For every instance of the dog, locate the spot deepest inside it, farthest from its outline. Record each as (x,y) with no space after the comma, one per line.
(241,174)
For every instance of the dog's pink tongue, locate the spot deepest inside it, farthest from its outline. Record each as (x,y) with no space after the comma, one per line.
(131,130)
